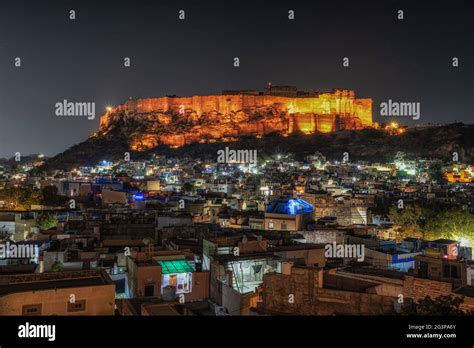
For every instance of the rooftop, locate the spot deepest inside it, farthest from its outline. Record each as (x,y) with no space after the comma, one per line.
(224,258)
(175,266)
(466,291)
(387,273)
(289,206)
(54,280)
(444,241)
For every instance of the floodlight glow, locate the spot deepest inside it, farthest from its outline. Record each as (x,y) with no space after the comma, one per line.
(138,197)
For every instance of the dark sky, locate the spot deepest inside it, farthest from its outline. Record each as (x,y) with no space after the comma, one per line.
(82,60)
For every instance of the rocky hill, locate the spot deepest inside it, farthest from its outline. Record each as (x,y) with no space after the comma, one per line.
(367,144)
(179,121)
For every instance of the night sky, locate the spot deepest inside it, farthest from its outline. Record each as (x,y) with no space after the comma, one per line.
(82,59)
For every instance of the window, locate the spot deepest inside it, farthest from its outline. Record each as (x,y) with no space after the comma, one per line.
(149,290)
(270,225)
(450,271)
(423,269)
(77,306)
(283,225)
(181,281)
(446,273)
(32,309)
(454,272)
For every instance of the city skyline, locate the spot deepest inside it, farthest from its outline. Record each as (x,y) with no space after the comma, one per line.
(82,59)
(290,164)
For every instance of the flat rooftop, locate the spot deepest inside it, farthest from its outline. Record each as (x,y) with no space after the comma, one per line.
(443,241)
(386,273)
(466,291)
(18,269)
(224,258)
(54,280)
(294,247)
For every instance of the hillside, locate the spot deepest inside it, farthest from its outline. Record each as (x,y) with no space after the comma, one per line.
(366,144)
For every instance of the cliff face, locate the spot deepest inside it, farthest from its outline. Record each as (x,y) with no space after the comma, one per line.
(176,122)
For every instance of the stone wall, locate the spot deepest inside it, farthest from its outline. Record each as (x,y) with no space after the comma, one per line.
(419,288)
(309,298)
(324,104)
(324,236)
(220,116)
(99,300)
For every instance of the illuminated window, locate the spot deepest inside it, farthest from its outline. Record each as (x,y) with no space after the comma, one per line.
(270,225)
(177,274)
(182,282)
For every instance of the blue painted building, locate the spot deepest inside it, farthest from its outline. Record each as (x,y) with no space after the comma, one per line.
(288,214)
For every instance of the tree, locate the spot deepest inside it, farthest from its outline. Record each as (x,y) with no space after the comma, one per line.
(188,187)
(51,196)
(409,215)
(45,221)
(412,231)
(452,224)
(20,198)
(410,221)
(432,221)
(29,197)
(57,266)
(436,171)
(440,306)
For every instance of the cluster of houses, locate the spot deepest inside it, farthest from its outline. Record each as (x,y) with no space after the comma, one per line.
(170,237)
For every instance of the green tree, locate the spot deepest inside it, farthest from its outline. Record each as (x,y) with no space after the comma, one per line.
(45,221)
(452,224)
(29,197)
(188,187)
(409,215)
(440,306)
(409,221)
(412,231)
(57,266)
(20,198)
(436,171)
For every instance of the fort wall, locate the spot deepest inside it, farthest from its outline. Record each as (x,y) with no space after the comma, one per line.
(231,115)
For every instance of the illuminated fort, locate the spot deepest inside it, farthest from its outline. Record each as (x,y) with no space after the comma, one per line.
(177,121)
